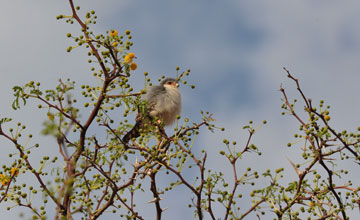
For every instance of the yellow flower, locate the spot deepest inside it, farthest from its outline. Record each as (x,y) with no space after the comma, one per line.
(327,117)
(3,179)
(115,44)
(14,171)
(127,59)
(113,33)
(4,182)
(131,55)
(133,66)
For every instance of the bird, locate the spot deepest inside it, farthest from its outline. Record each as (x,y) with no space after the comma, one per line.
(163,102)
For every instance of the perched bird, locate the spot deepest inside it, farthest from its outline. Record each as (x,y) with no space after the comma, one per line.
(164,102)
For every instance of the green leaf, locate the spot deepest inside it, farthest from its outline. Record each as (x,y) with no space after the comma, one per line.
(18,92)
(15,105)
(16,88)
(50,94)
(50,129)
(96,184)
(36,92)
(4,120)
(143,108)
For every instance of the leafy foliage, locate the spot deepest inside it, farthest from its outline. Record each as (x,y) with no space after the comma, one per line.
(97,173)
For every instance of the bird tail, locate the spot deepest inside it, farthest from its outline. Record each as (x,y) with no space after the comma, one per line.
(133,133)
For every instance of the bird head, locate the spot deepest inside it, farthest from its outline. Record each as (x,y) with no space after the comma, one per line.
(170,83)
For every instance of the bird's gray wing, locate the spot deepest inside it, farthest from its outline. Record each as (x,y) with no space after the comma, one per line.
(151,97)
(141,119)
(134,132)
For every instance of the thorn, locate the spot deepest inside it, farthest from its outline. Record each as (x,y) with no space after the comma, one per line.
(299,172)
(323,148)
(154,200)
(328,158)
(136,164)
(272,203)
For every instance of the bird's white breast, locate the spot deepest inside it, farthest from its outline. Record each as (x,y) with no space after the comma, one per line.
(168,106)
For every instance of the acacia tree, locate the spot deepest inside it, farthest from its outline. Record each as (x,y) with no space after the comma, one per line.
(102,173)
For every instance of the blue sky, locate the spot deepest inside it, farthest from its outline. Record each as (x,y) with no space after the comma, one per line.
(235,50)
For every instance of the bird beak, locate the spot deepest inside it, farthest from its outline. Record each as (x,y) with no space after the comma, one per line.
(177,85)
